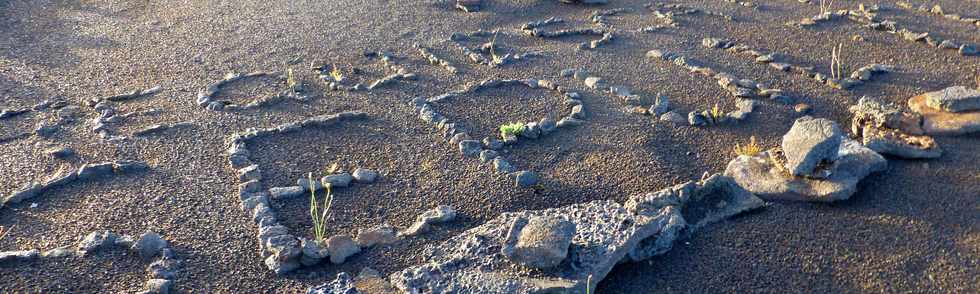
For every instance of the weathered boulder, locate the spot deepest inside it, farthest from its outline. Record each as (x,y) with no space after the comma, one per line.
(341,247)
(343,284)
(149,245)
(886,129)
(883,115)
(894,142)
(539,242)
(764,175)
(938,122)
(954,99)
(809,143)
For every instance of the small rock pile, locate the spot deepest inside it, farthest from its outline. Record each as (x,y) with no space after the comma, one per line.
(815,163)
(150,246)
(86,172)
(487,149)
(951,111)
(886,129)
(206,97)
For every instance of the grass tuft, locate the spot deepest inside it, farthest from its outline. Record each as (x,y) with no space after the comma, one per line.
(836,63)
(511,129)
(336,74)
(716,113)
(750,149)
(826,5)
(319,218)
(291,81)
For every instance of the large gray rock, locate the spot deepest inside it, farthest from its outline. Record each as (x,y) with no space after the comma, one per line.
(954,99)
(539,242)
(758,174)
(938,122)
(149,245)
(809,143)
(605,233)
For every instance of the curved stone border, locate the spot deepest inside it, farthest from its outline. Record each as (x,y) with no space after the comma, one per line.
(284,252)
(205,98)
(161,272)
(486,150)
(125,97)
(534,29)
(858,77)
(599,17)
(85,172)
(480,55)
(938,10)
(868,17)
(741,89)
(668,11)
(387,59)
(435,60)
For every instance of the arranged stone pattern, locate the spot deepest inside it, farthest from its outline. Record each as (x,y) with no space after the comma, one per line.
(125,97)
(160,128)
(668,12)
(436,60)
(886,129)
(150,246)
(64,114)
(342,83)
(632,102)
(600,17)
(84,173)
(941,122)
(604,233)
(938,10)
(868,17)
(856,78)
(205,98)
(826,177)
(534,29)
(486,53)
(486,150)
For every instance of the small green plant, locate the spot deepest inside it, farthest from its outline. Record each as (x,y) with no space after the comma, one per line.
(514,129)
(716,113)
(319,218)
(336,74)
(825,6)
(750,149)
(291,81)
(588,285)
(493,51)
(836,63)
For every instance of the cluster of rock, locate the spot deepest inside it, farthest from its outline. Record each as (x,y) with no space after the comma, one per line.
(868,17)
(815,162)
(774,60)
(534,29)
(568,249)
(600,17)
(951,111)
(125,97)
(938,10)
(487,53)
(435,60)
(343,83)
(155,129)
(206,97)
(107,115)
(63,177)
(284,252)
(150,246)
(667,12)
(749,4)
(886,129)
(488,149)
(65,114)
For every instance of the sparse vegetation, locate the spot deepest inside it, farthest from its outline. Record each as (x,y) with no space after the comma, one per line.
(716,114)
(750,149)
(3,232)
(493,52)
(336,74)
(291,81)
(588,285)
(826,5)
(511,129)
(836,64)
(319,217)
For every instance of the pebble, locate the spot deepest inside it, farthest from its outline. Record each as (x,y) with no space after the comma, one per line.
(524,179)
(802,108)
(365,176)
(338,180)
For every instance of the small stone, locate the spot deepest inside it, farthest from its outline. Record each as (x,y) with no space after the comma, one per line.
(580,75)
(59,152)
(470,148)
(423,222)
(531,131)
(524,179)
(567,73)
(249,173)
(547,125)
(492,144)
(809,143)
(674,117)
(313,253)
(382,235)
(578,112)
(487,155)
(149,245)
(364,176)
(968,49)
(88,171)
(158,286)
(539,241)
(306,184)
(286,192)
(802,108)
(502,166)
(696,119)
(595,83)
(22,255)
(96,240)
(568,122)
(338,180)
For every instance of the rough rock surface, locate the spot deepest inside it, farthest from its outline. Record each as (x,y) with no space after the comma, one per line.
(809,142)
(341,247)
(893,142)
(606,233)
(937,122)
(343,284)
(759,175)
(422,223)
(539,242)
(954,99)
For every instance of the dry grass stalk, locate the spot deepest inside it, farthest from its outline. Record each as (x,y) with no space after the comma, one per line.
(750,149)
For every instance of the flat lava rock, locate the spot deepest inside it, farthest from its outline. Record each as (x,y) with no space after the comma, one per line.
(758,175)
(937,122)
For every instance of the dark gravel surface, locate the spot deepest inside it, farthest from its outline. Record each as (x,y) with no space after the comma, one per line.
(912,228)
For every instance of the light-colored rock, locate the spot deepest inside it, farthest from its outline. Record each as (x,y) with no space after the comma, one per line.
(364,176)
(809,143)
(341,247)
(937,122)
(954,99)
(540,242)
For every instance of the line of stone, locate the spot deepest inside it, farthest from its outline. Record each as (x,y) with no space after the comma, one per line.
(86,172)
(534,29)
(479,55)
(435,60)
(205,98)
(938,10)
(668,11)
(282,251)
(486,150)
(387,59)
(857,77)
(161,272)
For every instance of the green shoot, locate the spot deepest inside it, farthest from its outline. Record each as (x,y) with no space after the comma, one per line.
(750,149)
(836,63)
(319,218)
(291,80)
(716,113)
(511,129)
(588,285)
(336,74)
